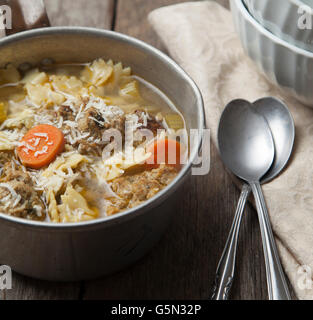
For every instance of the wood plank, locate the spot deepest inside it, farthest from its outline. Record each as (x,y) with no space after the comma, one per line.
(24,288)
(95,13)
(183,264)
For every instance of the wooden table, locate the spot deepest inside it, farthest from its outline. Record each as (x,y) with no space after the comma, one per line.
(182,266)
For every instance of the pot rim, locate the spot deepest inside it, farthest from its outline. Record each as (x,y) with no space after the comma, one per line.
(24,35)
(298,3)
(244,12)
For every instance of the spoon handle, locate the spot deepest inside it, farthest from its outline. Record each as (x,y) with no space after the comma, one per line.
(276,281)
(226,267)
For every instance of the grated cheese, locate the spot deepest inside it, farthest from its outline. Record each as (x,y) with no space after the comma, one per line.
(99,122)
(42,135)
(44,150)
(36,142)
(38,210)
(75,136)
(9,187)
(107,112)
(26,145)
(79,112)
(71,124)
(60,123)
(133,122)
(6,198)
(17,200)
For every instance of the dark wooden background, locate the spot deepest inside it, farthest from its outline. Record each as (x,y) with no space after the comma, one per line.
(182,265)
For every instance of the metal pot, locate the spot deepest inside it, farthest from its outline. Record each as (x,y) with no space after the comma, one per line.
(67,252)
(282,17)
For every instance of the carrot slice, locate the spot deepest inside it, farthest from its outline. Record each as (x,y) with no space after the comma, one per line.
(164,151)
(40,146)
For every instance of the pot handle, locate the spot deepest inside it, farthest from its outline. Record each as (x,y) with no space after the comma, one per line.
(20,15)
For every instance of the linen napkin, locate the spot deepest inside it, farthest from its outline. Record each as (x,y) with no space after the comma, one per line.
(201,37)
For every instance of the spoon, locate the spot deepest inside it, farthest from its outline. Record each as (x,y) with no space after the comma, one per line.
(281,124)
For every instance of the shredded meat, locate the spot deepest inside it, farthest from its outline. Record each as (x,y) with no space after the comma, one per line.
(148,122)
(152,123)
(65,112)
(29,206)
(93,122)
(5,157)
(132,190)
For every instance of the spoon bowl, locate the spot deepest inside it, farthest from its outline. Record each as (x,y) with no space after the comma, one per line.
(282,127)
(245,141)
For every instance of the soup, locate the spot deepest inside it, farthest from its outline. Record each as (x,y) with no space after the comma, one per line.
(79,142)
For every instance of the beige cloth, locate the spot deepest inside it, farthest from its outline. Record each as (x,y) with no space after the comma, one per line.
(200,36)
